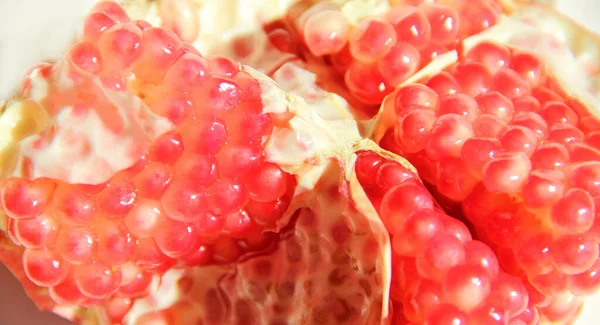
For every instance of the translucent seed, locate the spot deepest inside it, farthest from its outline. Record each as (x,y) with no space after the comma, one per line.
(574,213)
(448,135)
(115,244)
(35,232)
(176,107)
(204,136)
(444,22)
(392,174)
(581,152)
(447,314)
(117,198)
(238,224)
(532,121)
(557,112)
(97,280)
(144,219)
(72,206)
(530,68)
(473,77)
(326,32)
(420,228)
(566,134)
(586,176)
(586,283)
(215,96)
(488,126)
(44,268)
(22,198)
(509,293)
(476,152)
(479,254)
(510,83)
(371,39)
(75,245)
(152,182)
(401,62)
(519,139)
(527,103)
(66,293)
(238,160)
(366,83)
(477,18)
(488,314)
(506,173)
(412,130)
(161,47)
(366,167)
(574,254)
(112,9)
(543,188)
(530,316)
(444,84)
(422,300)
(86,57)
(148,255)
(460,104)
(440,255)
(222,67)
(166,149)
(411,26)
(186,73)
(431,51)
(267,213)
(256,127)
(563,309)
(493,56)
(185,201)
(120,46)
(227,196)
(466,286)
(175,238)
(95,24)
(550,156)
(400,201)
(268,182)
(454,179)
(545,95)
(532,252)
(496,104)
(415,95)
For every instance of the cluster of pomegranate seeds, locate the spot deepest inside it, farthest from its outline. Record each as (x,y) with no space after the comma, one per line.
(203,193)
(495,133)
(440,274)
(380,52)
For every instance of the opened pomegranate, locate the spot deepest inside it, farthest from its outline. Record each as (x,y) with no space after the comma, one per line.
(146,183)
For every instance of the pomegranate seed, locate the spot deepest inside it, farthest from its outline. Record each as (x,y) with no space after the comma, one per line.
(161,48)
(120,46)
(144,219)
(326,32)
(444,84)
(22,199)
(411,26)
(473,77)
(477,18)
(448,134)
(97,280)
(371,39)
(506,173)
(510,84)
(35,232)
(413,129)
(401,62)
(530,68)
(496,104)
(543,188)
(44,268)
(492,55)
(86,57)
(415,95)
(467,286)
(75,245)
(574,254)
(444,22)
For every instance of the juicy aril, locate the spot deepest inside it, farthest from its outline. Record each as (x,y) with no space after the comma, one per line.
(145,183)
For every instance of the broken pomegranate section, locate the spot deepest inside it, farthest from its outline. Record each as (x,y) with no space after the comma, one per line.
(497,135)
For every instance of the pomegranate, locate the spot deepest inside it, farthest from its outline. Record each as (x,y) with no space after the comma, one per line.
(407,163)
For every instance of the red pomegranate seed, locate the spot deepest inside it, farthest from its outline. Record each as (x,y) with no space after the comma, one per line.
(120,46)
(510,84)
(161,48)
(444,84)
(543,188)
(492,55)
(459,104)
(86,57)
(444,22)
(448,135)
(496,104)
(411,25)
(530,68)
(488,126)
(44,268)
(22,199)
(371,39)
(401,62)
(473,77)
(557,112)
(96,23)
(326,32)
(477,18)
(415,95)
(413,129)
(366,83)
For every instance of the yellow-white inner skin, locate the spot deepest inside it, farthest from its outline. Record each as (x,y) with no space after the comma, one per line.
(572,54)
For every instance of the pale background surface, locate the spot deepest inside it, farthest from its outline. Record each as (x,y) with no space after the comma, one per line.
(35,30)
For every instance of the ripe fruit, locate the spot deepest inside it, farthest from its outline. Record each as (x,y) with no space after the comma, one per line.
(188,188)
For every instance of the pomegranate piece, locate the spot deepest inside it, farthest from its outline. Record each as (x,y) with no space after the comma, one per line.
(404,39)
(440,273)
(197,177)
(511,155)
